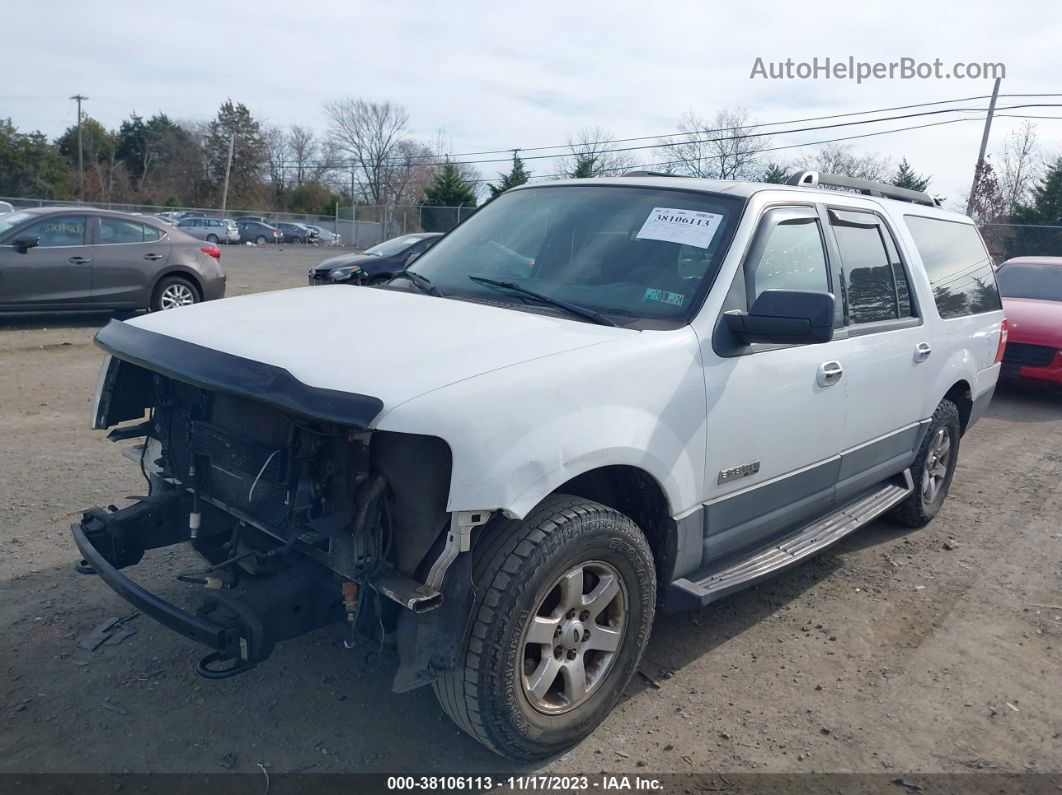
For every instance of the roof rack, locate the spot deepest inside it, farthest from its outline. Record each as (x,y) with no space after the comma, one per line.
(649,174)
(813,179)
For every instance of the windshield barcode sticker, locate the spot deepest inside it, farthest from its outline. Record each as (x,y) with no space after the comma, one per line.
(686,227)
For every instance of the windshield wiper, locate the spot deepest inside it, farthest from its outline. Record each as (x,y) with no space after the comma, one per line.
(422,283)
(575,309)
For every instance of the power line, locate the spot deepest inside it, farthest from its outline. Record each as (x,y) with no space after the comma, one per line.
(417,160)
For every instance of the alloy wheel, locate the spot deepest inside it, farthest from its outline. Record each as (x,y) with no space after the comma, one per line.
(935,471)
(570,643)
(175,295)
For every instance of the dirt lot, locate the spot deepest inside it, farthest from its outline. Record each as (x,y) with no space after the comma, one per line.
(894,651)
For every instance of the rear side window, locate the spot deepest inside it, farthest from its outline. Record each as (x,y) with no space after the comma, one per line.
(875,281)
(958,265)
(113,230)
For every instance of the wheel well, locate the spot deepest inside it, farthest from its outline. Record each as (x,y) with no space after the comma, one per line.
(962,396)
(637,495)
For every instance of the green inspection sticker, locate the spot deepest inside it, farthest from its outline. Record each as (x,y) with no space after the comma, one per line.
(664,296)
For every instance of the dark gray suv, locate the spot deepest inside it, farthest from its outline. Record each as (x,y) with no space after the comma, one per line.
(84,259)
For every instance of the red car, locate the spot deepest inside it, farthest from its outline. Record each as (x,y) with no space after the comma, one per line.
(1032,301)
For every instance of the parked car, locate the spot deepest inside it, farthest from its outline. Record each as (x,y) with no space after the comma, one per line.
(1032,301)
(83,259)
(6,208)
(258,232)
(212,230)
(324,237)
(249,218)
(295,233)
(376,265)
(588,402)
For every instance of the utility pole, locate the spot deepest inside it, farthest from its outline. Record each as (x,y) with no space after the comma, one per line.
(228,168)
(979,168)
(80,149)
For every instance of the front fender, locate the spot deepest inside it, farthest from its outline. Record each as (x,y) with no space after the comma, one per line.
(518,433)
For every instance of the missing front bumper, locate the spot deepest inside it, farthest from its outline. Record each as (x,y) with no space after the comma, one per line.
(240,626)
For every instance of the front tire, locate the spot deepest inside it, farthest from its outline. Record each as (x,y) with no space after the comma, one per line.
(933,468)
(567,598)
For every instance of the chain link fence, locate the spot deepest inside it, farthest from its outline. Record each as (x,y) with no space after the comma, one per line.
(360,226)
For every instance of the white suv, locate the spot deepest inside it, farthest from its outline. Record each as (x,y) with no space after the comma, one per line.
(590,401)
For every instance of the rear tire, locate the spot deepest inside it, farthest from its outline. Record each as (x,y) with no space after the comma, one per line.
(173,292)
(566,604)
(260,240)
(932,470)
(212,239)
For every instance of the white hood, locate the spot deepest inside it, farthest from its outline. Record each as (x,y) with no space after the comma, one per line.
(389,344)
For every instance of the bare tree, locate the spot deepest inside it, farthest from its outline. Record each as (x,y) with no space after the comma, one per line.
(840,159)
(1019,165)
(368,132)
(724,147)
(302,144)
(277,153)
(592,153)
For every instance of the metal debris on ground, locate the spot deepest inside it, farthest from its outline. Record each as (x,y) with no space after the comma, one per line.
(112,631)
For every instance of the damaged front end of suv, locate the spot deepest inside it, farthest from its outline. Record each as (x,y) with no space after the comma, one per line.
(303,514)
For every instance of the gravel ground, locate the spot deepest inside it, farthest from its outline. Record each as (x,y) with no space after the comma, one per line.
(934,650)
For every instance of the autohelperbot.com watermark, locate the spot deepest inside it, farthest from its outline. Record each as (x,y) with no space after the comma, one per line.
(850,68)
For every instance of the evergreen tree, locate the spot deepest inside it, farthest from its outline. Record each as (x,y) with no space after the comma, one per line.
(906,177)
(443,198)
(248,157)
(1045,210)
(517,175)
(775,173)
(584,167)
(30,166)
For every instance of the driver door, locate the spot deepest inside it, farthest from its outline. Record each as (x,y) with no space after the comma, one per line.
(54,274)
(775,422)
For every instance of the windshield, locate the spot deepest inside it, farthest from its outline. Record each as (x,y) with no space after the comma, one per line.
(11,220)
(391,247)
(1020,280)
(626,251)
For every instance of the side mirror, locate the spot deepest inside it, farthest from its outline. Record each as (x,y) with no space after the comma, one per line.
(24,244)
(785,317)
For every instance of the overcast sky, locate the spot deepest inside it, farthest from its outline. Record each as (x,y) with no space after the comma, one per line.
(496,75)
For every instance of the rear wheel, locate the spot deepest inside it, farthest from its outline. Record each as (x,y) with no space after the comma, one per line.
(260,240)
(568,596)
(212,239)
(172,292)
(933,468)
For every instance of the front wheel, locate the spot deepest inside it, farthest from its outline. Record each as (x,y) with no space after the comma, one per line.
(933,468)
(567,602)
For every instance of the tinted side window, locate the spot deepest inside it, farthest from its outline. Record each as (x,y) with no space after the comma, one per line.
(791,258)
(59,230)
(870,281)
(113,230)
(958,265)
(151,233)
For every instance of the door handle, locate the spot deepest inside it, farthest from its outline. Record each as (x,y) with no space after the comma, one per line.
(153,257)
(79,260)
(922,351)
(829,373)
